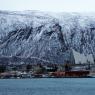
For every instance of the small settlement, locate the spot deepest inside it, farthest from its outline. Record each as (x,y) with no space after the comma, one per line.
(83,66)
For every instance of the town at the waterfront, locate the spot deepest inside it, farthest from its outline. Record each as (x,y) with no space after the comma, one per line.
(46,71)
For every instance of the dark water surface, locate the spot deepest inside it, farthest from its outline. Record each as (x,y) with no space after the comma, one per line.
(48,86)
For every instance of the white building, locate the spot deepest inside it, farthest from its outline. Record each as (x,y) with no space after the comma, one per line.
(81,58)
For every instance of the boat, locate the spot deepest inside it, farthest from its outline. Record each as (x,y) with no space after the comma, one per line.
(70,74)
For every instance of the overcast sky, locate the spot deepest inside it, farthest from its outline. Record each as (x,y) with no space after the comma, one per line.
(49,5)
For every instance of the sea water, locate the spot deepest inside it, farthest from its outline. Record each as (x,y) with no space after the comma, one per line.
(48,86)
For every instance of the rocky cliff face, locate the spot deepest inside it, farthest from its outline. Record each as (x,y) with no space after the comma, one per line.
(46,36)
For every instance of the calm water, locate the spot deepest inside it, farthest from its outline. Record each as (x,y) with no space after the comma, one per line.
(60,86)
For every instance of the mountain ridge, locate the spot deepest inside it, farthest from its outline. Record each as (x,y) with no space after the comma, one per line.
(46,36)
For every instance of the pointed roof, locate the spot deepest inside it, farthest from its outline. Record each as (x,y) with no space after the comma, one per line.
(81,58)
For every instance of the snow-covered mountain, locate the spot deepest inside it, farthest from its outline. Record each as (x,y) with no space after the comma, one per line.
(46,36)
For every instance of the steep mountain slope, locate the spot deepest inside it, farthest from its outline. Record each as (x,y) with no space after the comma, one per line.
(47,36)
